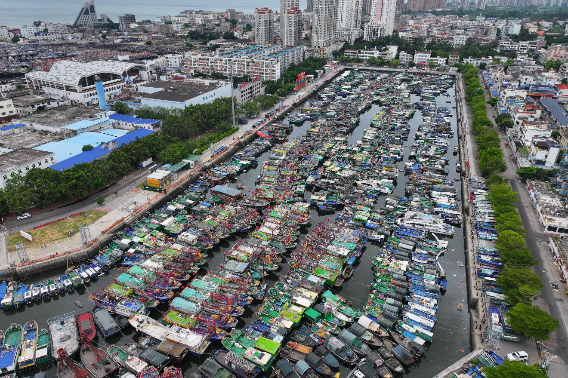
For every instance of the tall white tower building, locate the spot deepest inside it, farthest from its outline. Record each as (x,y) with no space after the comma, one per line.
(383,12)
(288,24)
(324,23)
(263,26)
(349,14)
(292,19)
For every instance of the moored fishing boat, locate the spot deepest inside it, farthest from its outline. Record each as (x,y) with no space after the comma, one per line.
(63,334)
(124,359)
(29,345)
(86,326)
(43,350)
(96,360)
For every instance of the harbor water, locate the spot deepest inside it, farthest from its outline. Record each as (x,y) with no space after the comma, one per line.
(452,331)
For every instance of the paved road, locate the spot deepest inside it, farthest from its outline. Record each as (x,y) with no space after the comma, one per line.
(89,203)
(555,302)
(137,177)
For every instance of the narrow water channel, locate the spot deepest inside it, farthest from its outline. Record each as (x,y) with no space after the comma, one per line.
(451,334)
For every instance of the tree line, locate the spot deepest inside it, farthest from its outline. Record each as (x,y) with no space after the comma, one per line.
(488,144)
(520,284)
(181,130)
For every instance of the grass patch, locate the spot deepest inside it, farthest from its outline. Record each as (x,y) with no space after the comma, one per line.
(56,231)
(141,185)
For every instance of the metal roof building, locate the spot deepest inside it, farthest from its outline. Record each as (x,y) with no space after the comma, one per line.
(555,111)
(76,81)
(67,148)
(101,150)
(67,72)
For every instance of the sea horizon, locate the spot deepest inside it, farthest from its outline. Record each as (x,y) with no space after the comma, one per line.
(15,15)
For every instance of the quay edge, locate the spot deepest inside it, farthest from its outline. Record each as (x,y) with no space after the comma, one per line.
(24,270)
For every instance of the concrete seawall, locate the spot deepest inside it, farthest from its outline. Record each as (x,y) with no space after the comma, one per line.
(21,271)
(474,302)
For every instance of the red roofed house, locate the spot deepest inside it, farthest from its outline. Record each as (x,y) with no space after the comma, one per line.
(561,92)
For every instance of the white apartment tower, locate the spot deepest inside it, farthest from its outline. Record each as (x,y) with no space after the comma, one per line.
(290,23)
(349,14)
(383,12)
(293,31)
(324,24)
(87,15)
(263,26)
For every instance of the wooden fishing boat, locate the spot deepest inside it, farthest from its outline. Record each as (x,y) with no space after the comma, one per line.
(43,350)
(121,357)
(29,345)
(86,325)
(96,360)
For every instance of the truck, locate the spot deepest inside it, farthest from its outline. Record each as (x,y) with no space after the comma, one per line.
(145,163)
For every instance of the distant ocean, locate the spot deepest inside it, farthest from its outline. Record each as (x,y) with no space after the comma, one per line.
(25,12)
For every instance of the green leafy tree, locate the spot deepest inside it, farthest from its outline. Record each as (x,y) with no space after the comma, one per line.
(411,64)
(104,36)
(508,241)
(394,63)
(100,201)
(482,66)
(37,23)
(121,108)
(493,101)
(509,221)
(531,321)
(15,39)
(555,134)
(495,179)
(248,27)
(266,101)
(249,108)
(514,369)
(189,45)
(502,195)
(553,64)
(519,285)
(87,147)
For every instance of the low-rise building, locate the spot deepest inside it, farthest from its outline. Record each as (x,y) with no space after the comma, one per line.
(179,94)
(405,58)
(453,59)
(20,161)
(422,57)
(7,110)
(246,92)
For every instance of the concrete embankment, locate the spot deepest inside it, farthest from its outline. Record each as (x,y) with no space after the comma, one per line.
(474,302)
(95,246)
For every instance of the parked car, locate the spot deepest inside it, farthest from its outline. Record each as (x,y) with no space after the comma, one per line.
(518,356)
(24,216)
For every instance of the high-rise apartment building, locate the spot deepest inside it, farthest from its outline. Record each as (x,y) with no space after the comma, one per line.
(87,15)
(290,23)
(324,24)
(349,14)
(263,25)
(310,6)
(126,20)
(292,18)
(383,12)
